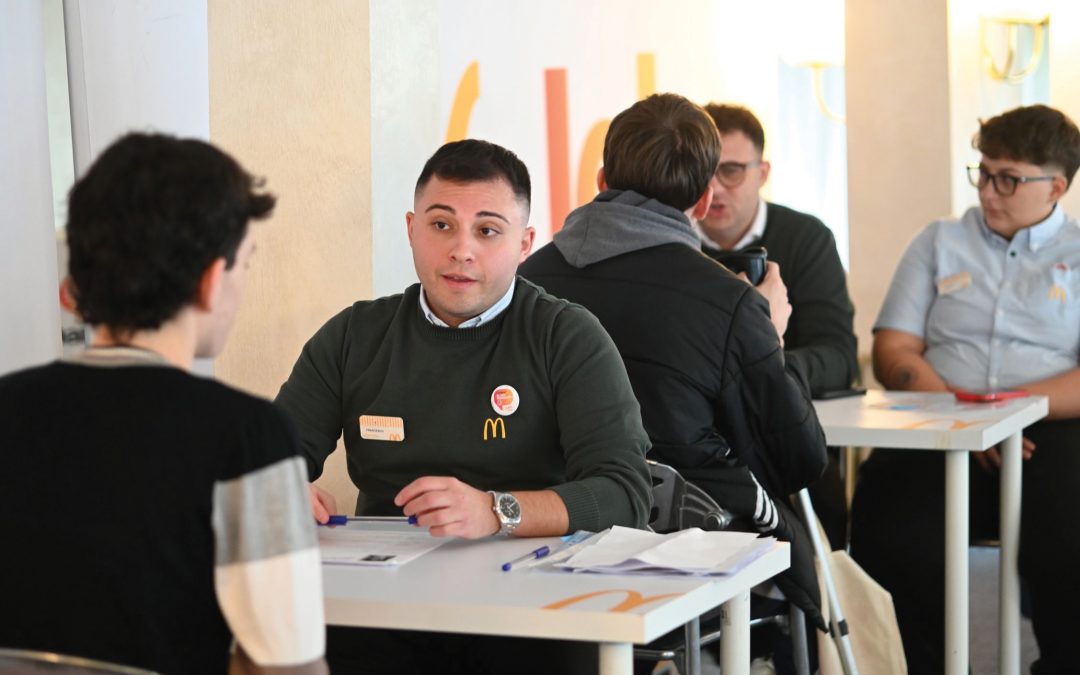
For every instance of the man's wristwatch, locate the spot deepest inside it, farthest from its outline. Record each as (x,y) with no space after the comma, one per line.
(507,510)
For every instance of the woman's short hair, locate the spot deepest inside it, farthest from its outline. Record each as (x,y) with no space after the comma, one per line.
(1035,134)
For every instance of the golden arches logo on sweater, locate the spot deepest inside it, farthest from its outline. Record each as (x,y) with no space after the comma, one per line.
(505,400)
(494,427)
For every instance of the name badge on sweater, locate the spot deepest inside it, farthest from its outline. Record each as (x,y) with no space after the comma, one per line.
(380,428)
(956,282)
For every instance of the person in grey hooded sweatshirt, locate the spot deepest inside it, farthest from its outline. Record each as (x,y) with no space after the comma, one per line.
(704,357)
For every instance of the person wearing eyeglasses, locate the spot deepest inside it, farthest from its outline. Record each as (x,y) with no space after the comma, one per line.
(704,360)
(987,301)
(817,316)
(819,338)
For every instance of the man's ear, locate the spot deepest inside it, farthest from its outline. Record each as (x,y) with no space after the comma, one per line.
(210,283)
(764,168)
(701,208)
(1058,187)
(67,295)
(409,215)
(601,180)
(527,239)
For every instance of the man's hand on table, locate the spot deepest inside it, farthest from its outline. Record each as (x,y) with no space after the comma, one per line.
(323,504)
(448,507)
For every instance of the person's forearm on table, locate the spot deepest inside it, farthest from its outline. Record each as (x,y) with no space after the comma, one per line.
(899,363)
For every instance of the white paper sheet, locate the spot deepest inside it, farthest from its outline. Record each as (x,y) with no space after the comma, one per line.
(345,546)
(690,551)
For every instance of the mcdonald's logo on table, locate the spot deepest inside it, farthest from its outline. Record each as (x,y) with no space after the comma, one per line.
(496,427)
(630,599)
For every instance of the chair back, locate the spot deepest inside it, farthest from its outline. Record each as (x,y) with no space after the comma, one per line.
(19,661)
(678,504)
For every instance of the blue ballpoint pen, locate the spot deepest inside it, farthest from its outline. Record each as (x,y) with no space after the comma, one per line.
(531,555)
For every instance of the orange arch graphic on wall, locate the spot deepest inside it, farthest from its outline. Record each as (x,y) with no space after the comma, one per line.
(592,157)
(646,75)
(468,90)
(631,599)
(592,152)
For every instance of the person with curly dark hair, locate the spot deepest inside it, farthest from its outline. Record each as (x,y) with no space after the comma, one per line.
(987,301)
(193,524)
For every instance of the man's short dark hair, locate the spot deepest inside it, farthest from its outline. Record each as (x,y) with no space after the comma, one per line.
(732,118)
(147,220)
(663,147)
(476,161)
(1035,134)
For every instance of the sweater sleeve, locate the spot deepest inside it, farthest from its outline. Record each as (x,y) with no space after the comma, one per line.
(311,396)
(821,344)
(600,428)
(785,447)
(264,538)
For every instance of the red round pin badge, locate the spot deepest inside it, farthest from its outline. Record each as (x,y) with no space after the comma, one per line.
(505,399)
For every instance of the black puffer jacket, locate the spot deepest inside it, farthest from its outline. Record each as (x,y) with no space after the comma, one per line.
(703,358)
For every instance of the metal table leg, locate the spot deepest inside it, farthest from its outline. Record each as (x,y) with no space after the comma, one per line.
(956,562)
(735,635)
(1009,611)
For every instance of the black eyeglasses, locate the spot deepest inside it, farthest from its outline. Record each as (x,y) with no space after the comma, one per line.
(1004,184)
(732,174)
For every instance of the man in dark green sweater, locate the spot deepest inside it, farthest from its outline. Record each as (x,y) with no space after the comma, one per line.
(473,401)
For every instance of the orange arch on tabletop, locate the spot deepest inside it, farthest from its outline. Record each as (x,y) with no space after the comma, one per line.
(955,424)
(631,599)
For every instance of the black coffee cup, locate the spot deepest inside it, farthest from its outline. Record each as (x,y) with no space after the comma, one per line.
(750,260)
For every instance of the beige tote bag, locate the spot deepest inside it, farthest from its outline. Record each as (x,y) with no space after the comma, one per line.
(871,619)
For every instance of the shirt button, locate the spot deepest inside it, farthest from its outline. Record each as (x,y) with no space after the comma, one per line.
(1012,254)
(993,381)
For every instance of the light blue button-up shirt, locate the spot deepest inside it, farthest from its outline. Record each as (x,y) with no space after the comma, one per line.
(478,320)
(994,313)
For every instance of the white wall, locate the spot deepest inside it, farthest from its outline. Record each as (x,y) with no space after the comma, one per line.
(136,66)
(405,125)
(29,311)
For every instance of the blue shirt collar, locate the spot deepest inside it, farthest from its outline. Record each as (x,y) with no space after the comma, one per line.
(478,320)
(1041,233)
(1037,235)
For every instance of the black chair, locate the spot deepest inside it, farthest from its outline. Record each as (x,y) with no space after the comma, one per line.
(678,505)
(20,661)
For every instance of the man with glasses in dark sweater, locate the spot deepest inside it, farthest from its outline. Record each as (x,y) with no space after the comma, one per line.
(474,402)
(819,337)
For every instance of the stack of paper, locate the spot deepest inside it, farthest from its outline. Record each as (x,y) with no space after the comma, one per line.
(692,551)
(355,546)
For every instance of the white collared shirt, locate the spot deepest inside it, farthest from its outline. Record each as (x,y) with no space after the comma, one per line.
(756,231)
(478,320)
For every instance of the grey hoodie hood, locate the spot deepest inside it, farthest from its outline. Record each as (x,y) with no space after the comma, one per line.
(618,222)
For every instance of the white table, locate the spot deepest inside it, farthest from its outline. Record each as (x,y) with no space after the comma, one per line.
(924,421)
(460,588)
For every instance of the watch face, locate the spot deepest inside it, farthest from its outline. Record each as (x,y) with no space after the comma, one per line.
(509,507)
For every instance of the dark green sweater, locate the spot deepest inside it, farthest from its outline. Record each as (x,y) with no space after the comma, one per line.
(577,429)
(819,344)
